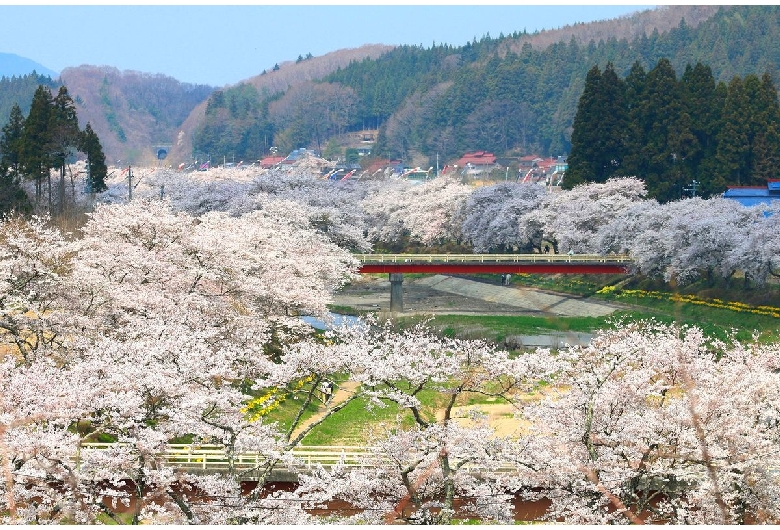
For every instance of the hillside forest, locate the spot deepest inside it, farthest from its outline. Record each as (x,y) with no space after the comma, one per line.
(491,94)
(38,149)
(508,94)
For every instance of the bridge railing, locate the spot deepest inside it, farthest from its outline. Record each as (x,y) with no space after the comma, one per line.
(493,258)
(213,459)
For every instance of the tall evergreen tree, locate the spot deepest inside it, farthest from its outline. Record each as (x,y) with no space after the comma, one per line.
(732,154)
(598,144)
(765,142)
(683,146)
(584,157)
(702,103)
(64,136)
(657,113)
(36,139)
(11,141)
(12,196)
(634,133)
(612,125)
(89,144)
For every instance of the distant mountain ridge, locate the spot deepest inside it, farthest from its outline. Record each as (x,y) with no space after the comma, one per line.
(12,65)
(509,95)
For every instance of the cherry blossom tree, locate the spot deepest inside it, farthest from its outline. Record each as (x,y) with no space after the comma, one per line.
(703,236)
(200,192)
(573,218)
(33,257)
(756,251)
(657,424)
(637,230)
(427,212)
(331,207)
(497,217)
(683,240)
(162,317)
(418,470)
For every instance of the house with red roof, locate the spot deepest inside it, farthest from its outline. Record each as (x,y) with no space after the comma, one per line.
(477,162)
(271,161)
(528,162)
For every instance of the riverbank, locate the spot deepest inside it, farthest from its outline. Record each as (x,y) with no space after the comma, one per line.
(452,295)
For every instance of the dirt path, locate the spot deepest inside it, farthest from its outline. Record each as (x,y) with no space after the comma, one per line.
(343,392)
(501,417)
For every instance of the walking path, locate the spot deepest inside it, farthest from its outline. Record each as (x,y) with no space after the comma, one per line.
(344,391)
(500,416)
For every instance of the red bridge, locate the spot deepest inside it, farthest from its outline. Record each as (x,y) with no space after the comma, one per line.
(397,264)
(494,263)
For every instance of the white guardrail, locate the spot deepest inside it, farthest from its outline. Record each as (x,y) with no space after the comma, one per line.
(213,459)
(493,258)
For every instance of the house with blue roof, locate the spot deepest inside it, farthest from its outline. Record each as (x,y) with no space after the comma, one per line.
(755,195)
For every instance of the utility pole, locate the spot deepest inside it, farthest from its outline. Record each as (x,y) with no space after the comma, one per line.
(129,184)
(692,189)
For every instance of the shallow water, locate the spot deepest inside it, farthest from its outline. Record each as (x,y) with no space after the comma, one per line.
(331,321)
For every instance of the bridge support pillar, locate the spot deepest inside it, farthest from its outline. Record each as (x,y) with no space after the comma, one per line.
(396,292)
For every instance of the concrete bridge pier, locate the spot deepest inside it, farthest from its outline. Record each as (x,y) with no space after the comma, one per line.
(396,292)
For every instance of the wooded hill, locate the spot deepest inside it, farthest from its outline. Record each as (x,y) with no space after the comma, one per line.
(512,95)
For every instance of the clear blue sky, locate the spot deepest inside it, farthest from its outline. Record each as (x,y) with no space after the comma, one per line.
(220,45)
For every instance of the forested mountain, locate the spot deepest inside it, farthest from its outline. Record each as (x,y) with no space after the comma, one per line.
(242,133)
(524,101)
(132,112)
(19,90)
(512,95)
